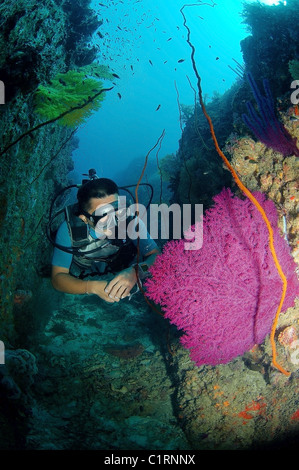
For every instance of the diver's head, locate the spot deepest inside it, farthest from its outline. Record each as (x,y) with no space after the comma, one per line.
(97,201)
(90,193)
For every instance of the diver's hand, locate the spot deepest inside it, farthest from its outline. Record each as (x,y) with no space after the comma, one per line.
(120,286)
(98,288)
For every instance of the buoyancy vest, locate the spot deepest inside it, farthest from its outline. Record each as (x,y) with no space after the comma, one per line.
(96,256)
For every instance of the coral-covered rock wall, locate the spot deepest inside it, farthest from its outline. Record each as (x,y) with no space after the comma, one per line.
(266,170)
(272,43)
(31,52)
(270,51)
(37,41)
(197,174)
(247,403)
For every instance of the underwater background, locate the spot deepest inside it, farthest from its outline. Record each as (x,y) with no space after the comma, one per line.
(95,85)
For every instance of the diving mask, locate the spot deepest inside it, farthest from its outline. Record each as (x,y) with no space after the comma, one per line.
(106,217)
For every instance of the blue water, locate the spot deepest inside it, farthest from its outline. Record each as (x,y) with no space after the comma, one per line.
(143,42)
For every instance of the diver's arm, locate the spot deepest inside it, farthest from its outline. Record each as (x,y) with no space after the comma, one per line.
(64,282)
(121,285)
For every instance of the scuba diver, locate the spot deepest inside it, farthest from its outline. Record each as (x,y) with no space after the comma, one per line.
(87,244)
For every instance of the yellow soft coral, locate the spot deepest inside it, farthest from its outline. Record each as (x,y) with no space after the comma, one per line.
(72,90)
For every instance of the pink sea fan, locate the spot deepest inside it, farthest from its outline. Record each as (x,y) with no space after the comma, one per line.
(224,296)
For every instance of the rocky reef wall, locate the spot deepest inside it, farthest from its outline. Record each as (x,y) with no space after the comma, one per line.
(36,42)
(29,169)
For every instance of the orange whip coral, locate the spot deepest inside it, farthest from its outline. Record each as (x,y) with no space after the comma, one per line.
(247,193)
(159,141)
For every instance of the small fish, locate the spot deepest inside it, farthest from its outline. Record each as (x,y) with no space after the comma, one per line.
(158,107)
(181,60)
(169,39)
(150,62)
(119,95)
(217,58)
(115,75)
(132,67)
